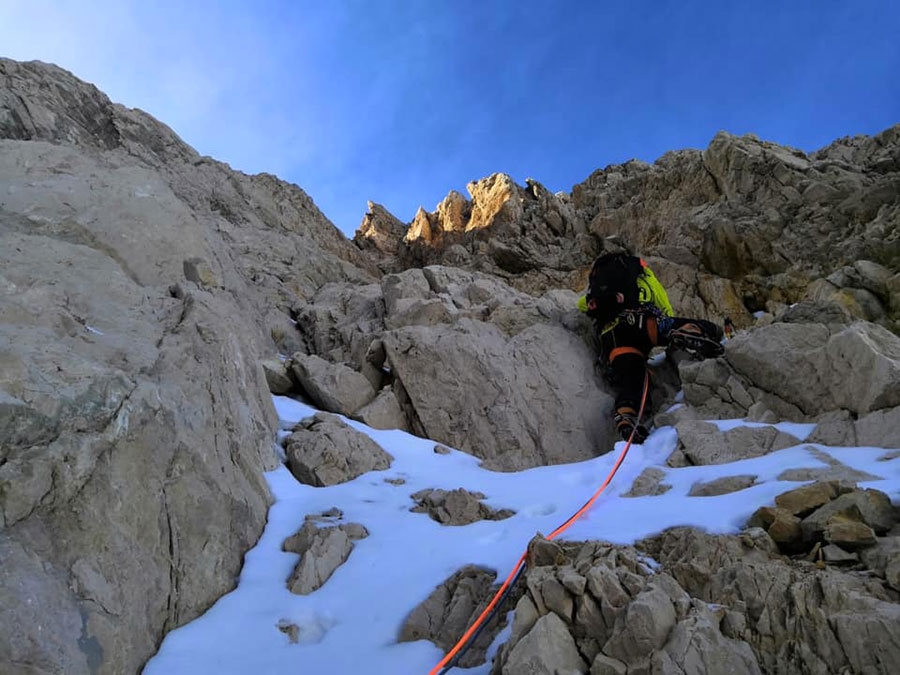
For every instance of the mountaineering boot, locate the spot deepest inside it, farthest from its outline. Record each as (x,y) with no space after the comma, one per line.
(626,423)
(690,337)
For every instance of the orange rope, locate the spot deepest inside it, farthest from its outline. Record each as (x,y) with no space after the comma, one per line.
(559,530)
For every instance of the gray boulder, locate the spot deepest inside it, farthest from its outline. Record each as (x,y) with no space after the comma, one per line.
(517,402)
(703,443)
(322,550)
(323,450)
(332,386)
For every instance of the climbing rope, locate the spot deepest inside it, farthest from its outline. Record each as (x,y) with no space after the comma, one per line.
(452,657)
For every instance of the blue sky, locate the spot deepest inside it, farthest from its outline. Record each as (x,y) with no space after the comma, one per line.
(400,102)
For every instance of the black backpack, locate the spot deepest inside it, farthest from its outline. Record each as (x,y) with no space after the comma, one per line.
(613,273)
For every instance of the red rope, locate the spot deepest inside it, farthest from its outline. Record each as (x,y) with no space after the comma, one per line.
(559,530)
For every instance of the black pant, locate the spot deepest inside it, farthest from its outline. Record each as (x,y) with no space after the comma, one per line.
(624,350)
(626,347)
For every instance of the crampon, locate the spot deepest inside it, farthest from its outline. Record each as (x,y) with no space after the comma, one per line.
(690,338)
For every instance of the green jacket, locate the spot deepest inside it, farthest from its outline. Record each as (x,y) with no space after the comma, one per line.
(650,292)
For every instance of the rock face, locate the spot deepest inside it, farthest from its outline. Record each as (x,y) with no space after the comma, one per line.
(140,285)
(711,601)
(469,361)
(741,227)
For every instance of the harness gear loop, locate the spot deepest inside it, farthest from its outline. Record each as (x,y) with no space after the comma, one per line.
(450,658)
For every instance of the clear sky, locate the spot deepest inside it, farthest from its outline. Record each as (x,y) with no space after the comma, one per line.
(400,102)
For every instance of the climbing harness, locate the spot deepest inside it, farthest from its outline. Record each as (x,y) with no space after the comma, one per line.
(452,657)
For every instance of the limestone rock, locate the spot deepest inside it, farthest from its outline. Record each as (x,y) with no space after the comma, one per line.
(697,646)
(322,550)
(871,507)
(445,615)
(703,443)
(879,429)
(380,229)
(323,450)
(649,483)
(384,412)
(804,500)
(332,386)
(848,533)
(122,378)
(604,665)
(456,507)
(277,376)
(516,402)
(781,602)
(884,560)
(722,486)
(547,649)
(835,555)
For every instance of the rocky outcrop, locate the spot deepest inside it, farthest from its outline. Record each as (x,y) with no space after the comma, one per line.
(708,600)
(741,227)
(702,443)
(323,450)
(322,550)
(834,518)
(469,361)
(140,286)
(450,609)
(804,372)
(456,507)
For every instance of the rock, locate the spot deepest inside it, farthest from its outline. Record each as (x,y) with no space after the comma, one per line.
(781,602)
(816,312)
(290,629)
(835,555)
(722,486)
(871,507)
(697,646)
(501,398)
(880,429)
(649,483)
(835,471)
(884,560)
(323,451)
(456,507)
(450,609)
(704,444)
(546,649)
(380,229)
(384,412)
(604,665)
(784,360)
(322,550)
(644,628)
(199,271)
(332,386)
(804,500)
(848,533)
(277,376)
(781,525)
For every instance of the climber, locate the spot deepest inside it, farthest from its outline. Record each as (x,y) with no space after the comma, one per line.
(632,314)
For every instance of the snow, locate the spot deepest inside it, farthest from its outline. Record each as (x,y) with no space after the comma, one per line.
(350,625)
